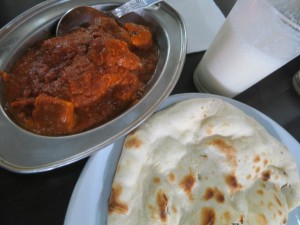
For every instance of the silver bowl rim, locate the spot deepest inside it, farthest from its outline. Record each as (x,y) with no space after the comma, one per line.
(127,121)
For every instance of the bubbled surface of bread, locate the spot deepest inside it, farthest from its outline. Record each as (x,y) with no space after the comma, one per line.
(203,161)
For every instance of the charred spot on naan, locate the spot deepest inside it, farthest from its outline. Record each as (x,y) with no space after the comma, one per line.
(227,149)
(215,193)
(227,217)
(187,183)
(133,142)
(284,220)
(257,169)
(261,219)
(248,177)
(242,218)
(256,159)
(266,175)
(115,204)
(277,200)
(232,183)
(162,203)
(172,177)
(209,194)
(156,180)
(208,216)
(260,192)
(270,205)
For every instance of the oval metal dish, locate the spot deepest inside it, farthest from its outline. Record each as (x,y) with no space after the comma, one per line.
(24,152)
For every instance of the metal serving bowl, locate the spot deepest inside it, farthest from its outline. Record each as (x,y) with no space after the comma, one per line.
(24,152)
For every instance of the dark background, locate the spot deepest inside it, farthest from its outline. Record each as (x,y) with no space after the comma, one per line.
(42,199)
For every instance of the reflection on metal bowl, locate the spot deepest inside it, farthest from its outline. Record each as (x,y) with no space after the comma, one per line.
(25,152)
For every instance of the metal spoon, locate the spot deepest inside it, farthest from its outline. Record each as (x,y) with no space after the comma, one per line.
(85,14)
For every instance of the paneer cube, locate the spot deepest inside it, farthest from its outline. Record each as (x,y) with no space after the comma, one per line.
(53,113)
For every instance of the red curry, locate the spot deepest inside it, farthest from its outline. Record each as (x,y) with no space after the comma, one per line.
(72,83)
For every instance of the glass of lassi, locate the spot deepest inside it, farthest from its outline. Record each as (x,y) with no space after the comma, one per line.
(257,38)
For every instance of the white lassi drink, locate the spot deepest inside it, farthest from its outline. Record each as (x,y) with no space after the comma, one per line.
(250,45)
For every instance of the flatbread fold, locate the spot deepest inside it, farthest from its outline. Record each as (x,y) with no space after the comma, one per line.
(203,161)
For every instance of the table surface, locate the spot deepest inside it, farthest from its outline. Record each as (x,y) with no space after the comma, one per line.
(43,198)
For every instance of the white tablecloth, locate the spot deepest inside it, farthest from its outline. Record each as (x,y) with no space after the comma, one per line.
(202,18)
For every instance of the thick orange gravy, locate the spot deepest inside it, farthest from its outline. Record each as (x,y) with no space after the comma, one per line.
(83,79)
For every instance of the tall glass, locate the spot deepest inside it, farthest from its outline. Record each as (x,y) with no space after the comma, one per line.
(257,38)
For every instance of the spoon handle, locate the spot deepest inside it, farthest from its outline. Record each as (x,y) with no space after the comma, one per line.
(131,6)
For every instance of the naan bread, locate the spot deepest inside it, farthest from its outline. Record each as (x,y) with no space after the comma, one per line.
(203,161)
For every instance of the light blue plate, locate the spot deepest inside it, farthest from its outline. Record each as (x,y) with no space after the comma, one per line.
(88,204)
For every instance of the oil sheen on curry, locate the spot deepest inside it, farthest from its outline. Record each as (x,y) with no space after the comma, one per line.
(83,79)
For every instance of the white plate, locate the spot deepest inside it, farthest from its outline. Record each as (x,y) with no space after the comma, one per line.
(88,204)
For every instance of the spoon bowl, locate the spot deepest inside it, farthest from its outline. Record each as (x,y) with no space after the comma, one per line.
(81,15)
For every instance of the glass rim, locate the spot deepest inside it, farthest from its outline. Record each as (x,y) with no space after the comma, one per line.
(284,18)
